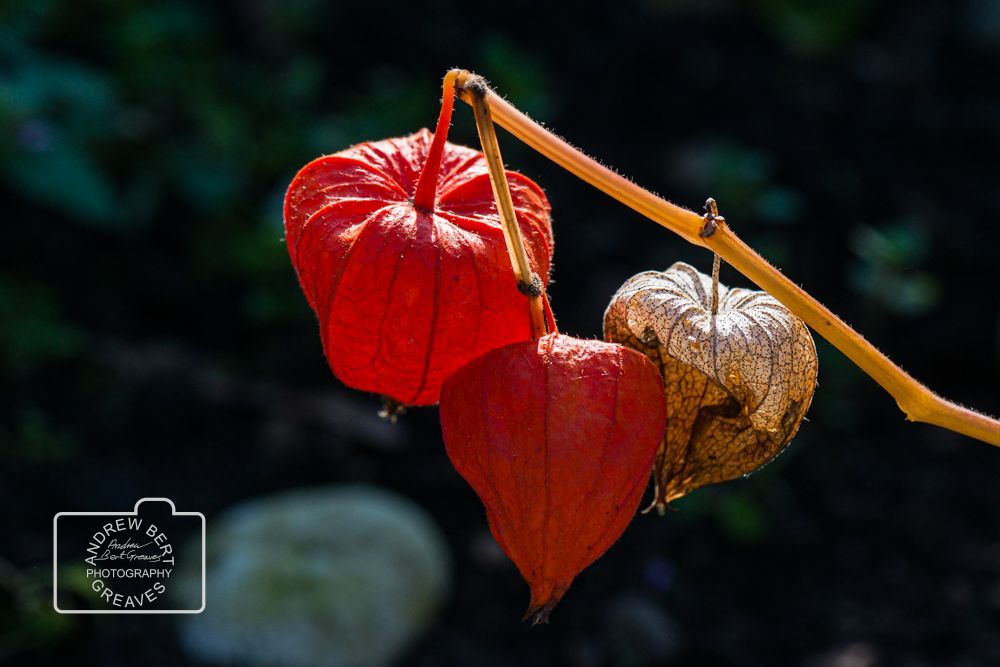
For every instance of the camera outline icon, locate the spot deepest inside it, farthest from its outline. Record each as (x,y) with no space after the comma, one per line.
(159,540)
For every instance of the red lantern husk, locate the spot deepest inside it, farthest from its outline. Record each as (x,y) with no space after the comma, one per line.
(557,437)
(406,292)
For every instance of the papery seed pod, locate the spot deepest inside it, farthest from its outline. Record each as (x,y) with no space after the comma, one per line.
(738,383)
(557,437)
(400,252)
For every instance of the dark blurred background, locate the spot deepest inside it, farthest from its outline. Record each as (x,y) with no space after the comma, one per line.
(153,339)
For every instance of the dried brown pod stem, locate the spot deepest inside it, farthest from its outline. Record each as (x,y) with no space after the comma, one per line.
(916,401)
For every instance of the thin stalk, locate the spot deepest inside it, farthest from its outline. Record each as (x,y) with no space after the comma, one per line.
(716,265)
(712,220)
(426,191)
(916,401)
(527,281)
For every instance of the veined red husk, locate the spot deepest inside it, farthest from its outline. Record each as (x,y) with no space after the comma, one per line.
(406,295)
(557,437)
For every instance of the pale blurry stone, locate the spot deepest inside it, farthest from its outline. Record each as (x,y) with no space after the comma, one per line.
(331,577)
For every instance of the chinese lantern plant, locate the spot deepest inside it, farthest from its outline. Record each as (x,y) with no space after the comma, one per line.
(426,264)
(400,253)
(555,435)
(916,401)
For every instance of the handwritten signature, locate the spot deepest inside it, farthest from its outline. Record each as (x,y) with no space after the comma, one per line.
(129,551)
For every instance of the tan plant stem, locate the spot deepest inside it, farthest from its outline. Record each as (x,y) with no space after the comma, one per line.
(527,281)
(916,401)
(712,220)
(716,265)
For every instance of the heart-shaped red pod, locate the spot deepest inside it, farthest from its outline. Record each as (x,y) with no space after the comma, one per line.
(400,252)
(557,437)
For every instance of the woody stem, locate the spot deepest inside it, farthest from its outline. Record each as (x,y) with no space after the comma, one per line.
(915,400)
(527,281)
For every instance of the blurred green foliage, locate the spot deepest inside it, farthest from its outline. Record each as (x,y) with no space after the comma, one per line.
(888,270)
(35,330)
(744,178)
(167,115)
(739,511)
(31,439)
(815,28)
(51,113)
(27,621)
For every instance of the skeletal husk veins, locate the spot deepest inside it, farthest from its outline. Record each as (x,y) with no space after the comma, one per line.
(737,382)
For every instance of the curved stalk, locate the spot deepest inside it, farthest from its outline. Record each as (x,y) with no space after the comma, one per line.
(426,191)
(916,401)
